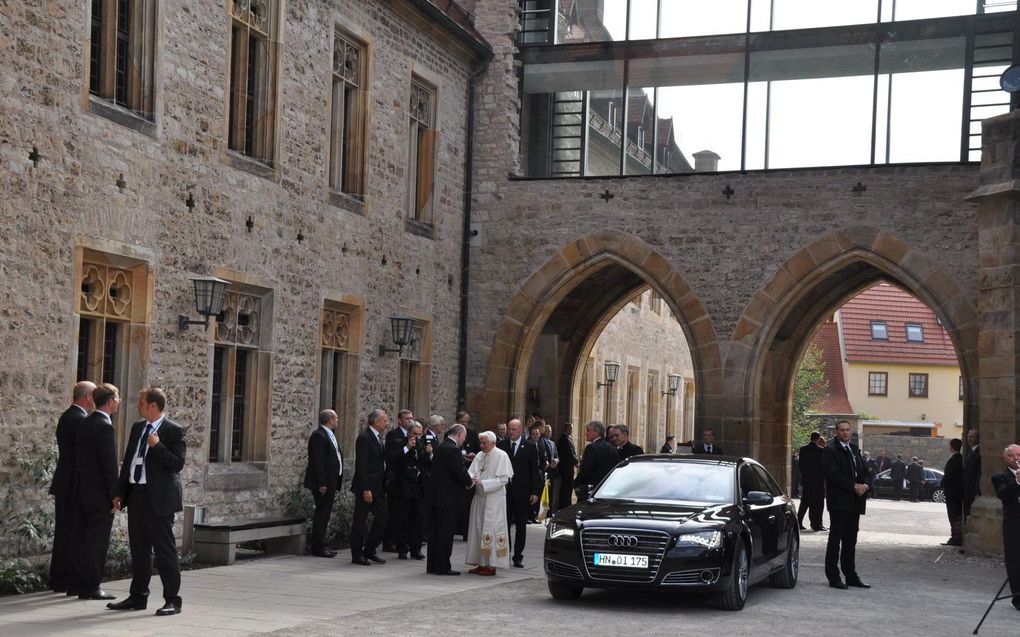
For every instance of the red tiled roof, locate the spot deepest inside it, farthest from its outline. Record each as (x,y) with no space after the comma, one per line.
(835,400)
(896,308)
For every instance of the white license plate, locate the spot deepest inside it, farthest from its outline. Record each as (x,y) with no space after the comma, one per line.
(620,560)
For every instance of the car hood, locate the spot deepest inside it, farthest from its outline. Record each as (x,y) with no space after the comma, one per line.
(643,515)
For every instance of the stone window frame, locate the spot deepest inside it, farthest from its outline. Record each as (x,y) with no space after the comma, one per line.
(98,269)
(422,153)
(653,392)
(882,333)
(119,80)
(655,302)
(922,390)
(253,337)
(633,406)
(252,140)
(347,142)
(878,383)
(341,347)
(919,332)
(414,375)
(961,387)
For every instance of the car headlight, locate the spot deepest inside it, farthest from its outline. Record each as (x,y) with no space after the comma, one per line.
(705,539)
(557,529)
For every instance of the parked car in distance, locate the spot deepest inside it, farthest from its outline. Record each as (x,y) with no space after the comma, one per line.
(930,489)
(691,524)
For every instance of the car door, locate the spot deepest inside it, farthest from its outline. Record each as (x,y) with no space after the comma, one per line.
(774,535)
(757,518)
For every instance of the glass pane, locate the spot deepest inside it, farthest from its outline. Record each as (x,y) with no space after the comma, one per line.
(918,9)
(669,481)
(641,127)
(921,99)
(803,14)
(592,20)
(818,105)
(604,133)
(684,18)
(643,19)
(699,100)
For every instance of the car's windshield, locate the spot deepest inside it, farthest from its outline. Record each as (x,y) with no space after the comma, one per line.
(670,481)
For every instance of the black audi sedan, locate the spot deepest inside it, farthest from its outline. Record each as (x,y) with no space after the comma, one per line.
(931,488)
(699,524)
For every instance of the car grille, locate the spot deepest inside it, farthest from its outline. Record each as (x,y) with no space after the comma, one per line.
(691,578)
(650,543)
(563,570)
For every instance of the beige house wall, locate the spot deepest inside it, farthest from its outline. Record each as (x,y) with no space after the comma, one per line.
(942,406)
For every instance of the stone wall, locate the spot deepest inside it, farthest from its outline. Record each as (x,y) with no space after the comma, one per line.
(934,451)
(71,200)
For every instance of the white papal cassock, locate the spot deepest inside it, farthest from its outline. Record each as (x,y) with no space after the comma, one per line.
(488,543)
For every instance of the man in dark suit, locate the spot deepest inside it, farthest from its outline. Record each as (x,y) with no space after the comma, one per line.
(62,575)
(707,444)
(898,473)
(95,461)
(915,478)
(367,486)
(812,484)
(535,436)
(449,477)
(619,437)
(406,465)
(971,470)
(396,445)
(667,447)
(525,487)
(847,484)
(150,487)
(468,450)
(952,487)
(1007,488)
(597,461)
(568,462)
(323,477)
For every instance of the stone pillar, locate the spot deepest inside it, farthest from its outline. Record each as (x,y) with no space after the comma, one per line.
(998,197)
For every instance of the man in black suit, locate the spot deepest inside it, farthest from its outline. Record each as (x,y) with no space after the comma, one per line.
(598,459)
(667,447)
(150,487)
(405,466)
(323,476)
(568,462)
(449,477)
(952,487)
(707,444)
(619,437)
(847,484)
(468,450)
(396,443)
(95,461)
(525,487)
(367,486)
(1007,488)
(535,436)
(971,470)
(812,483)
(62,575)
(898,473)
(915,478)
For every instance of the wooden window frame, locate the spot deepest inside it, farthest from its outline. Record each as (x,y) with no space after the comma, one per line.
(253,47)
(121,55)
(414,381)
(872,385)
(348,115)
(421,151)
(910,385)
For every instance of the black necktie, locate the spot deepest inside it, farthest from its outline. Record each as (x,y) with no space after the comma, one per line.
(853,461)
(141,452)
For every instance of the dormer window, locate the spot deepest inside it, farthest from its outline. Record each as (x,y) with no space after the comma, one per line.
(915,333)
(879,331)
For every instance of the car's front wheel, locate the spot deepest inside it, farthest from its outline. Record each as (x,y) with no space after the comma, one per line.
(787,578)
(735,595)
(559,590)
(938,495)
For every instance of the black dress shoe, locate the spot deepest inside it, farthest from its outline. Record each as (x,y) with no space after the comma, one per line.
(417,556)
(451,572)
(838,584)
(97,594)
(323,553)
(857,583)
(401,556)
(389,548)
(518,563)
(820,528)
(952,542)
(71,593)
(375,558)
(168,608)
(360,561)
(128,604)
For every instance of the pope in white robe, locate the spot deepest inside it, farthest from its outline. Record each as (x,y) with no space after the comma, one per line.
(488,543)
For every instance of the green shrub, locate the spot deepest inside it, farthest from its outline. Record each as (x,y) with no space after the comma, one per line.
(298,503)
(21,576)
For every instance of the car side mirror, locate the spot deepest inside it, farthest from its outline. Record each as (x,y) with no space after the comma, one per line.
(758,498)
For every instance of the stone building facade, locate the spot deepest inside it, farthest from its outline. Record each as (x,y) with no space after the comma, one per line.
(113,202)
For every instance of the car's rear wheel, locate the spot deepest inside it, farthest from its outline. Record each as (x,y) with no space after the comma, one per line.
(735,595)
(938,495)
(559,590)
(787,578)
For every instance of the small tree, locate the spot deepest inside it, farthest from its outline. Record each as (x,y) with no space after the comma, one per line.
(808,388)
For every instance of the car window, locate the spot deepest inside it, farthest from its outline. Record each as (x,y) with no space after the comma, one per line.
(765,481)
(670,481)
(929,474)
(748,481)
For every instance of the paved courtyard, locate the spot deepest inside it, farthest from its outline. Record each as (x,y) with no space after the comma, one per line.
(920,588)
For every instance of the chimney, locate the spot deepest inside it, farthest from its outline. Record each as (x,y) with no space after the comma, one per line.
(705,161)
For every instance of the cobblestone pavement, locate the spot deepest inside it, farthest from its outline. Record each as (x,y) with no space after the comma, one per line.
(920,588)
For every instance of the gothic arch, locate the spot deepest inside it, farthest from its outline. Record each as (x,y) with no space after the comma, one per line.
(626,264)
(779,322)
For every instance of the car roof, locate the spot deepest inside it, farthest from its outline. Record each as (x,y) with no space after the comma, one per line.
(690,458)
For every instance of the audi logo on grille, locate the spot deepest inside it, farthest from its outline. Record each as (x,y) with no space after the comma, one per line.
(626,541)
